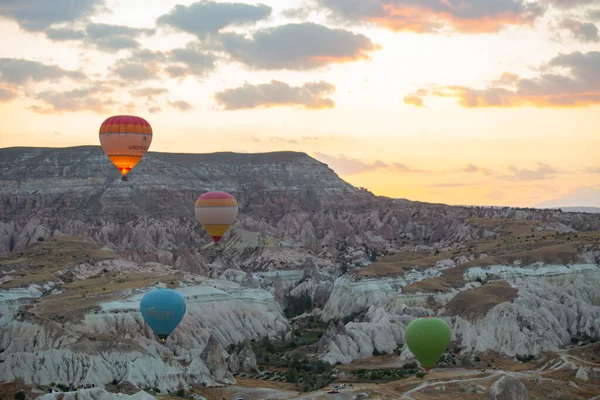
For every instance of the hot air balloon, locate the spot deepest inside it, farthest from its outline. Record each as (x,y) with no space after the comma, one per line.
(163,310)
(427,338)
(216,211)
(125,139)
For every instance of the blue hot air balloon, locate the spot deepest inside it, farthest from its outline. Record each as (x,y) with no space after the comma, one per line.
(163,310)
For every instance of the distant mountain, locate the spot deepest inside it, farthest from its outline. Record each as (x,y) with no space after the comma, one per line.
(581,197)
(591,210)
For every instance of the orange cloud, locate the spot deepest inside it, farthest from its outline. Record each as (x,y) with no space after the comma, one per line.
(414,100)
(339,60)
(351,166)
(7,95)
(423,20)
(297,47)
(425,16)
(580,87)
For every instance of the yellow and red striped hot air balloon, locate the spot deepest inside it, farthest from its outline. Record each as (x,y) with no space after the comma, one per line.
(125,139)
(216,211)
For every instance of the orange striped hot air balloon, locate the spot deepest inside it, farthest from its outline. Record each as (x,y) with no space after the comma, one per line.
(125,139)
(216,211)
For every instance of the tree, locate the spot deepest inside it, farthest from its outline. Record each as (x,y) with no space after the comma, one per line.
(344,268)
(292,376)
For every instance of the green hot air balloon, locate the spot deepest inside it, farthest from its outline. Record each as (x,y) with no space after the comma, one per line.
(427,338)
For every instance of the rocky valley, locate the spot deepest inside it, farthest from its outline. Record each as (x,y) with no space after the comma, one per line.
(315,282)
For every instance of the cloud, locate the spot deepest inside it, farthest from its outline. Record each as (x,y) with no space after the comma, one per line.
(495,195)
(413,100)
(154,109)
(592,170)
(104,37)
(276,93)
(471,168)
(194,61)
(148,92)
(348,166)
(450,185)
(283,140)
(569,4)
(578,87)
(38,15)
(543,171)
(206,18)
(297,47)
(351,166)
(424,16)
(147,56)
(302,13)
(583,196)
(147,64)
(594,15)
(304,139)
(128,108)
(181,105)
(140,66)
(6,95)
(582,31)
(403,167)
(92,98)
(64,34)
(108,37)
(18,71)
(136,72)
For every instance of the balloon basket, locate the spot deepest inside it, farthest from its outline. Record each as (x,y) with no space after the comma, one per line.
(124,178)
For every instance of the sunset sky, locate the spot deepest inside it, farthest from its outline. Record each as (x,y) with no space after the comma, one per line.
(482,102)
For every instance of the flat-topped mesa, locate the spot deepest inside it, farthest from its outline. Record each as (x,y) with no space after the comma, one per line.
(36,177)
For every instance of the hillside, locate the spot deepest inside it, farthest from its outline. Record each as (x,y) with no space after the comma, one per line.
(327,272)
(285,198)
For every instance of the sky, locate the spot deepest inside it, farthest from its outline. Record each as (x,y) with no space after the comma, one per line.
(493,102)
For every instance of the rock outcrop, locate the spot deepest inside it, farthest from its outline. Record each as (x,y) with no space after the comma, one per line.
(508,388)
(539,313)
(113,343)
(244,360)
(96,394)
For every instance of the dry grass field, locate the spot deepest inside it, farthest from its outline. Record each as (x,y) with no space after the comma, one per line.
(515,241)
(40,261)
(48,260)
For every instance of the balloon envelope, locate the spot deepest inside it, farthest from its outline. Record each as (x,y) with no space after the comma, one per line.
(216,211)
(428,338)
(125,139)
(163,310)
